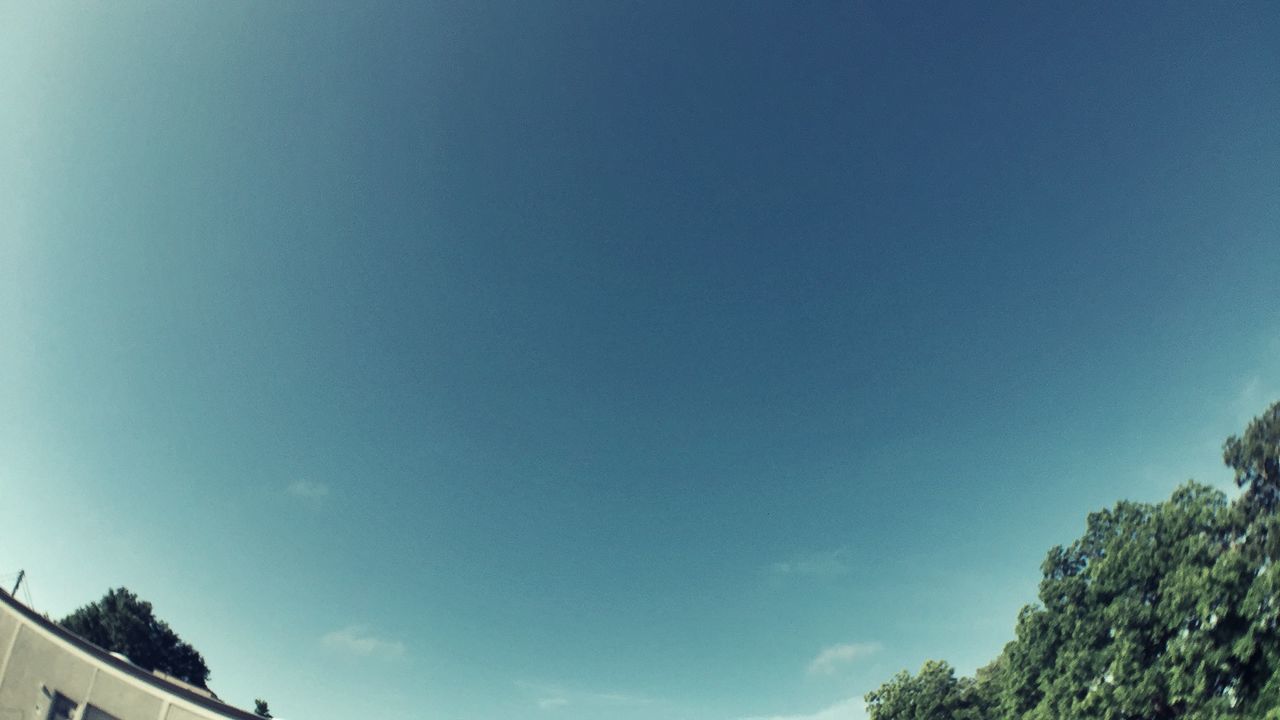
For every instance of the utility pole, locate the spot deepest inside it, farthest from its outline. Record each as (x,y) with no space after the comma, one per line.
(21,574)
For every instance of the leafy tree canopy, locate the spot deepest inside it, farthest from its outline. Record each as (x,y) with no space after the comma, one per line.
(1255,458)
(121,622)
(1159,611)
(935,693)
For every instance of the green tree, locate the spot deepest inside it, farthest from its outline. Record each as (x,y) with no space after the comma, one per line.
(1158,611)
(935,693)
(261,708)
(1144,614)
(121,622)
(1255,458)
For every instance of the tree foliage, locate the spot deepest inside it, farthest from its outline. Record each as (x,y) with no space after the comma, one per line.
(261,709)
(935,693)
(1255,458)
(121,622)
(1159,611)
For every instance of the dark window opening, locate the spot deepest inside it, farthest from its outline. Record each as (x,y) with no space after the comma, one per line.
(62,707)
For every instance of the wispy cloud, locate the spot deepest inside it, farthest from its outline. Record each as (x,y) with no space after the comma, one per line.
(308,490)
(829,563)
(853,708)
(549,696)
(830,659)
(357,641)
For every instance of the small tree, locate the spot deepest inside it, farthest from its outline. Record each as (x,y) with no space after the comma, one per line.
(935,693)
(261,708)
(121,622)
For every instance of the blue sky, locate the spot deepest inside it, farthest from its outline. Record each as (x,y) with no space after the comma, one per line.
(569,360)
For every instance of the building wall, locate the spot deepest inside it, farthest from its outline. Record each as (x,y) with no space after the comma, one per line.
(46,673)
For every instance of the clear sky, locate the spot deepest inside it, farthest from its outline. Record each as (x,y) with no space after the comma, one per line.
(628,360)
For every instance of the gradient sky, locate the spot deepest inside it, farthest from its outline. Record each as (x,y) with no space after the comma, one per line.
(573,360)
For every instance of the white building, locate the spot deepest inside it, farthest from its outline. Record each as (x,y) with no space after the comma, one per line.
(48,673)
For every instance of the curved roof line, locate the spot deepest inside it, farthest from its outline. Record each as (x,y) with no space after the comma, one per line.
(102,656)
